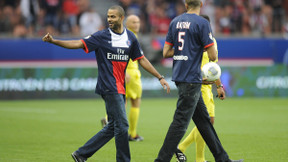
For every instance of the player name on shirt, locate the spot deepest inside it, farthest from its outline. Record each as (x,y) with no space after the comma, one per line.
(183,25)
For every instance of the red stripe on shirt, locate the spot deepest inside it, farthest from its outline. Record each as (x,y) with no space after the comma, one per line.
(119,75)
(211,44)
(138,58)
(85,46)
(171,44)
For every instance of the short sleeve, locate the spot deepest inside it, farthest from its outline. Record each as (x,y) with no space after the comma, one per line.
(169,36)
(136,51)
(207,36)
(91,42)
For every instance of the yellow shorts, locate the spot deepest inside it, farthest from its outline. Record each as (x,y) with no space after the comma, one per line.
(208,99)
(134,86)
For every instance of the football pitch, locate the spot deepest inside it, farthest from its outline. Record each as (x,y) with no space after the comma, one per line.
(255,129)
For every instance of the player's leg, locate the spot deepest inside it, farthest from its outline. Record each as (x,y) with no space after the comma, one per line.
(200,144)
(202,120)
(189,95)
(207,96)
(117,112)
(133,119)
(134,92)
(200,147)
(187,141)
(195,135)
(114,106)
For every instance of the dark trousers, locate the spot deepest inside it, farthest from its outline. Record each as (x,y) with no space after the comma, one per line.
(117,127)
(191,105)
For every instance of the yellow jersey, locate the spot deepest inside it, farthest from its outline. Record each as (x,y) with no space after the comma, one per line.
(133,64)
(207,89)
(205,58)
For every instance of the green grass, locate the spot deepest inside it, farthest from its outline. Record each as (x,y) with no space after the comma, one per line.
(255,129)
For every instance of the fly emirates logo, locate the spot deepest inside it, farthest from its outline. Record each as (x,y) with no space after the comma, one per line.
(121,56)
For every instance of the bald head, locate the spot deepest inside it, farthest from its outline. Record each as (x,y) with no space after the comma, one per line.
(133,23)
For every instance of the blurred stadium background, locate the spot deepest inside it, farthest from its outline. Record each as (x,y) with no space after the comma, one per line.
(252,38)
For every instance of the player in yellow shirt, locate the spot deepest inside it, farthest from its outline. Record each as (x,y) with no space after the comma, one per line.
(133,84)
(207,95)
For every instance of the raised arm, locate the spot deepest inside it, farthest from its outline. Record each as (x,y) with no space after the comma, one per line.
(150,68)
(70,44)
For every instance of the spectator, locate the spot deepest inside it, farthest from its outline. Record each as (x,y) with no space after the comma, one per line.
(20,31)
(40,26)
(144,17)
(236,16)
(6,19)
(224,21)
(259,22)
(68,23)
(246,28)
(30,9)
(227,16)
(52,9)
(159,20)
(8,16)
(209,10)
(11,3)
(285,32)
(125,4)
(180,8)
(90,21)
(18,23)
(278,15)
(133,9)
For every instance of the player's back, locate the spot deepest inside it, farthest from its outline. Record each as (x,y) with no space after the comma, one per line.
(187,33)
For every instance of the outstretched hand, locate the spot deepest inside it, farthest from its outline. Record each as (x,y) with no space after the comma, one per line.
(47,38)
(165,85)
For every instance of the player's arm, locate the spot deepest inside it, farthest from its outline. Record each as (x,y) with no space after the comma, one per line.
(212,53)
(127,77)
(70,44)
(220,89)
(204,81)
(150,68)
(168,51)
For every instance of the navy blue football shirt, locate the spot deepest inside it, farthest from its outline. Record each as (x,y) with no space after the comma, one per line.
(189,34)
(113,52)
